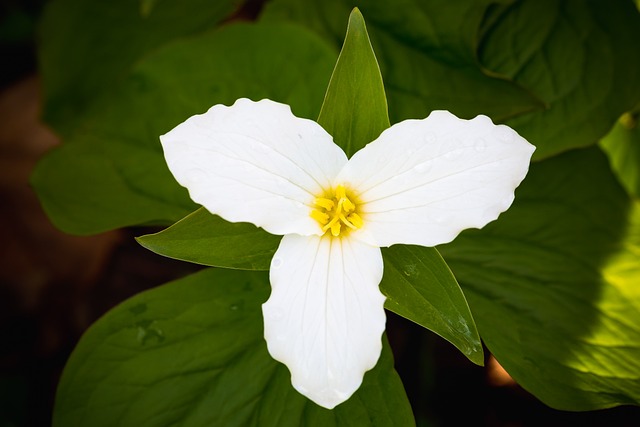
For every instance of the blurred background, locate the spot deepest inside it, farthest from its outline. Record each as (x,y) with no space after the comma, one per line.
(53,286)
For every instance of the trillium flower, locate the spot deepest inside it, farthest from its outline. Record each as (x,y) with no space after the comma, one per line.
(421,182)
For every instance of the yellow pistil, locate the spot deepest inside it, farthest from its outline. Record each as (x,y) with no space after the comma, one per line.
(335,211)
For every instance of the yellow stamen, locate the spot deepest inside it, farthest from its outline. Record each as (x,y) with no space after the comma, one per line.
(321,217)
(346,222)
(348,205)
(335,229)
(334,210)
(355,219)
(324,203)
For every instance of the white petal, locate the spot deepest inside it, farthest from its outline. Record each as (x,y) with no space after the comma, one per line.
(254,162)
(325,317)
(424,181)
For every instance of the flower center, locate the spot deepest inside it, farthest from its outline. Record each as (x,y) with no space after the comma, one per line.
(336,212)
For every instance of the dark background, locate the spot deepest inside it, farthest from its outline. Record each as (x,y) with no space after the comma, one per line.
(53,286)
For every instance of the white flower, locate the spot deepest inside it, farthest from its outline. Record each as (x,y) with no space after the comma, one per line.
(421,182)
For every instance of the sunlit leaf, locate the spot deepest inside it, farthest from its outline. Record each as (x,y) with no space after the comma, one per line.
(622,145)
(553,284)
(192,353)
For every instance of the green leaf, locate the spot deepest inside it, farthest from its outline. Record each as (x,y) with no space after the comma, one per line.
(111,173)
(553,284)
(622,145)
(204,238)
(576,56)
(354,111)
(560,73)
(90,186)
(427,56)
(192,353)
(448,29)
(419,286)
(88,47)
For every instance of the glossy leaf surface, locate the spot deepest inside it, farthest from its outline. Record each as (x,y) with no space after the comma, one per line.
(622,146)
(354,111)
(560,73)
(420,287)
(553,284)
(207,239)
(191,352)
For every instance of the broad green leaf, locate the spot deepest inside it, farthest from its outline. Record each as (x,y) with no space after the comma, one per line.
(112,172)
(354,111)
(419,286)
(204,238)
(553,284)
(191,353)
(87,47)
(622,145)
(447,29)
(97,184)
(426,52)
(576,56)
(558,72)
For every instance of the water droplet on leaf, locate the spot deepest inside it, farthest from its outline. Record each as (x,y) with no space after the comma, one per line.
(138,308)
(239,305)
(149,330)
